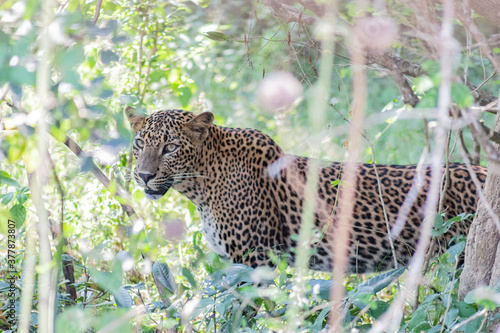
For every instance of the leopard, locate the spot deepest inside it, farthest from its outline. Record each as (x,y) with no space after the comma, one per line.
(251,195)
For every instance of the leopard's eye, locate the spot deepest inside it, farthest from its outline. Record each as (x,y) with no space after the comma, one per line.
(169,148)
(139,143)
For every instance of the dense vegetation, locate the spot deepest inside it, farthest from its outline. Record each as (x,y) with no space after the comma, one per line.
(75,65)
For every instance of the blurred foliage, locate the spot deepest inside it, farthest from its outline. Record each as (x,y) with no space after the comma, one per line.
(197,55)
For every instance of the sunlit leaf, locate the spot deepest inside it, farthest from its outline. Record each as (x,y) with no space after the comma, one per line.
(109,281)
(5,179)
(18,213)
(461,95)
(7,197)
(185,96)
(216,35)
(74,320)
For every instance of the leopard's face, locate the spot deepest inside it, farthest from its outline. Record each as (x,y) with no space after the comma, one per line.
(165,149)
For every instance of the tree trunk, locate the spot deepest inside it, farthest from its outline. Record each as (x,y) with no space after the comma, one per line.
(482,253)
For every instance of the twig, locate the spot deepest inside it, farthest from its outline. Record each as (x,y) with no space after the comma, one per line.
(479,188)
(97,10)
(482,98)
(480,134)
(38,179)
(213,314)
(391,318)
(492,135)
(468,320)
(450,291)
(483,83)
(460,136)
(386,219)
(466,19)
(289,13)
(340,247)
(67,265)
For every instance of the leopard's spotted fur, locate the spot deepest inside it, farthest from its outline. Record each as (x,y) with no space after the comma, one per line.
(250,194)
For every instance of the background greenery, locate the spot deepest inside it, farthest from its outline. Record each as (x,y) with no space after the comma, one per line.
(198,56)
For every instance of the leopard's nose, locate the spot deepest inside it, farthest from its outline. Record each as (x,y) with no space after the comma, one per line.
(146,177)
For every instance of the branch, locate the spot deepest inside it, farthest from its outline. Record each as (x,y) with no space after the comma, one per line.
(398,66)
(468,23)
(482,98)
(290,13)
(492,135)
(97,10)
(395,64)
(317,9)
(75,148)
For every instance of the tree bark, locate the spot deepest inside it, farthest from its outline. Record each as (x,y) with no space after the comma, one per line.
(482,253)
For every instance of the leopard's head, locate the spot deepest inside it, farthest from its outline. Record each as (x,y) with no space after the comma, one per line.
(166,147)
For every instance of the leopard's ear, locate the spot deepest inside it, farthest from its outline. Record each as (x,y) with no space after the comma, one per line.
(135,121)
(197,128)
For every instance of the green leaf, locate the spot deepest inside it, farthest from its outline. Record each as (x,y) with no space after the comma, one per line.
(4,286)
(164,280)
(455,251)
(185,96)
(74,320)
(187,273)
(109,56)
(318,323)
(18,213)
(473,326)
(485,296)
(429,100)
(106,280)
(216,35)
(116,316)
(21,198)
(418,317)
(123,298)
(7,197)
(67,59)
(451,317)
(5,179)
(461,95)
(324,287)
(19,75)
(157,76)
(378,309)
(203,305)
(465,310)
(379,282)
(231,276)
(423,84)
(440,227)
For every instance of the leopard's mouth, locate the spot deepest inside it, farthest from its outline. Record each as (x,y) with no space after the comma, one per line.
(158,193)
